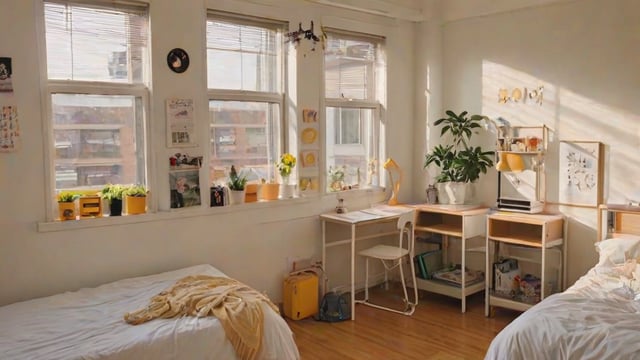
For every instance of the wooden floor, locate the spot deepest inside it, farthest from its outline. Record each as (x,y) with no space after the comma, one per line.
(436,331)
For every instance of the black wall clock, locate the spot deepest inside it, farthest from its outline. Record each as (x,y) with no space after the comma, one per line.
(178,60)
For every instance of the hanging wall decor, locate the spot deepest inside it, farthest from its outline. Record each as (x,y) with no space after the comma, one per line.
(9,129)
(309,151)
(178,60)
(5,75)
(298,35)
(580,174)
(180,123)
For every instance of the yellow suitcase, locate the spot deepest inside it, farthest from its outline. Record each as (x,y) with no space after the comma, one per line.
(300,296)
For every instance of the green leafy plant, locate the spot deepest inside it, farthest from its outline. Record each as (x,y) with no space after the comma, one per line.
(459,162)
(67,196)
(138,190)
(236,182)
(113,192)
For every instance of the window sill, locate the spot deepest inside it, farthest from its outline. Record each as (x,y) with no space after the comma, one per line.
(376,194)
(172,214)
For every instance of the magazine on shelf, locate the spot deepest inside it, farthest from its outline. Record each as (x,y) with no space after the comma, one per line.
(454,277)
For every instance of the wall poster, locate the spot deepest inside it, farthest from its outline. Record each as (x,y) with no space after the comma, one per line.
(9,129)
(180,123)
(581,173)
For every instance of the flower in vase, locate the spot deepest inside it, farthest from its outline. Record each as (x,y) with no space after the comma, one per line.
(286,164)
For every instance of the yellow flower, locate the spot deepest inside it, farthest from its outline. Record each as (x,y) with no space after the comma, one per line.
(286,164)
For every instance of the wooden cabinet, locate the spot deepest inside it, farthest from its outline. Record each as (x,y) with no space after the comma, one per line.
(537,241)
(461,222)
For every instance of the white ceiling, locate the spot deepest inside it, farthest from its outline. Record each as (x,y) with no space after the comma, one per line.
(447,10)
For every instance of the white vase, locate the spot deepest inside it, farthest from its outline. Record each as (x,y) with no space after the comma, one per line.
(236,197)
(456,192)
(287,191)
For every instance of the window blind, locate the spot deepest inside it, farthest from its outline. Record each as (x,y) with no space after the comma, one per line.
(97,42)
(350,65)
(243,54)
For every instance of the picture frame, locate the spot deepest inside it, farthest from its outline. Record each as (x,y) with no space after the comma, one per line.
(180,123)
(580,173)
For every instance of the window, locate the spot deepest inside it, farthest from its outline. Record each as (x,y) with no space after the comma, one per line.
(354,71)
(97,65)
(245,78)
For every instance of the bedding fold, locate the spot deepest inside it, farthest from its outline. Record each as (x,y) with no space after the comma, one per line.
(235,304)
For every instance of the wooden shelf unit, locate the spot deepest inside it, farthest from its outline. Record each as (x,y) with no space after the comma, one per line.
(458,221)
(526,233)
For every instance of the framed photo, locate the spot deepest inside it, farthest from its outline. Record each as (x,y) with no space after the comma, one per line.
(5,74)
(580,173)
(185,188)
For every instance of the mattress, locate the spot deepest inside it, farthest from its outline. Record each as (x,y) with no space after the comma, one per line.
(88,324)
(596,318)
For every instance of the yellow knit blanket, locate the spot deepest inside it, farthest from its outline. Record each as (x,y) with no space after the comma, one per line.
(236,305)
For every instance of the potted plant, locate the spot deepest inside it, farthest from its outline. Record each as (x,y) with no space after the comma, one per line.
(269,190)
(66,205)
(113,193)
(285,167)
(236,186)
(459,163)
(135,197)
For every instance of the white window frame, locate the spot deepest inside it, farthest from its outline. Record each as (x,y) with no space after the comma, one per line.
(214,94)
(376,92)
(83,87)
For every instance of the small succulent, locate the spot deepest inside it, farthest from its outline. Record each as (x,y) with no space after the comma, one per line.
(236,182)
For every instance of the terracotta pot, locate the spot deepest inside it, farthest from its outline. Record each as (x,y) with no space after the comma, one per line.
(270,191)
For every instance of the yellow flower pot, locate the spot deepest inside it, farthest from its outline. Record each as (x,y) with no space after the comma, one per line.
(251,193)
(134,205)
(67,211)
(270,191)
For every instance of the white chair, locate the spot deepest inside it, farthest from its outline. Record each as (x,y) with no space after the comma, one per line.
(392,257)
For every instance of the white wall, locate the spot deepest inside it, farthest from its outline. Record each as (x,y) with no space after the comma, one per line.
(585,53)
(250,242)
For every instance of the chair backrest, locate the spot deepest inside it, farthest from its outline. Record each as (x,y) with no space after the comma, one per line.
(406,226)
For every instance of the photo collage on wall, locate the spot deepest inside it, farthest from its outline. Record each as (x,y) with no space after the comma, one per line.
(184,180)
(309,156)
(9,124)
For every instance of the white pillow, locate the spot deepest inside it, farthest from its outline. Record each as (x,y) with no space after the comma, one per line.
(615,251)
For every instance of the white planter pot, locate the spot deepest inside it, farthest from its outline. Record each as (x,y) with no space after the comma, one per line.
(236,197)
(456,192)
(287,191)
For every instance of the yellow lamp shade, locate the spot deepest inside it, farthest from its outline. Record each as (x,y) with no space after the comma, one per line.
(502,163)
(515,162)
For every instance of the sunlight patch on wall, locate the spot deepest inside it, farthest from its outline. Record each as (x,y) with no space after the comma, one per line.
(570,116)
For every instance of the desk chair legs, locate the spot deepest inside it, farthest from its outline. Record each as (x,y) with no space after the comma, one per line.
(391,257)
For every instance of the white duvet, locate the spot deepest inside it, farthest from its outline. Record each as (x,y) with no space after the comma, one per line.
(596,318)
(88,324)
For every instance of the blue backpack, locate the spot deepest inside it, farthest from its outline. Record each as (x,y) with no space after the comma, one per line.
(335,307)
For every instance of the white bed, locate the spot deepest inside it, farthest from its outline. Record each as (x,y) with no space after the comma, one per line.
(596,318)
(88,324)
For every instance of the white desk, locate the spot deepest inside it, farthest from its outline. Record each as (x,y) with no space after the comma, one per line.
(356,219)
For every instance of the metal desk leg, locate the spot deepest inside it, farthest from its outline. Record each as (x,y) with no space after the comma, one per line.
(324,258)
(353,271)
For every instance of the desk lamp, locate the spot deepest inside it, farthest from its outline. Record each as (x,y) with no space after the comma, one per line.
(391,166)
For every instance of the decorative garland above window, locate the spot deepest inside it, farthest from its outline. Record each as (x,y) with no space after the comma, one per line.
(296,36)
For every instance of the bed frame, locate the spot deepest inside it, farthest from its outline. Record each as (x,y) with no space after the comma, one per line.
(617,219)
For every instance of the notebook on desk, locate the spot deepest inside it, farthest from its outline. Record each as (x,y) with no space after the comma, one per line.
(387,210)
